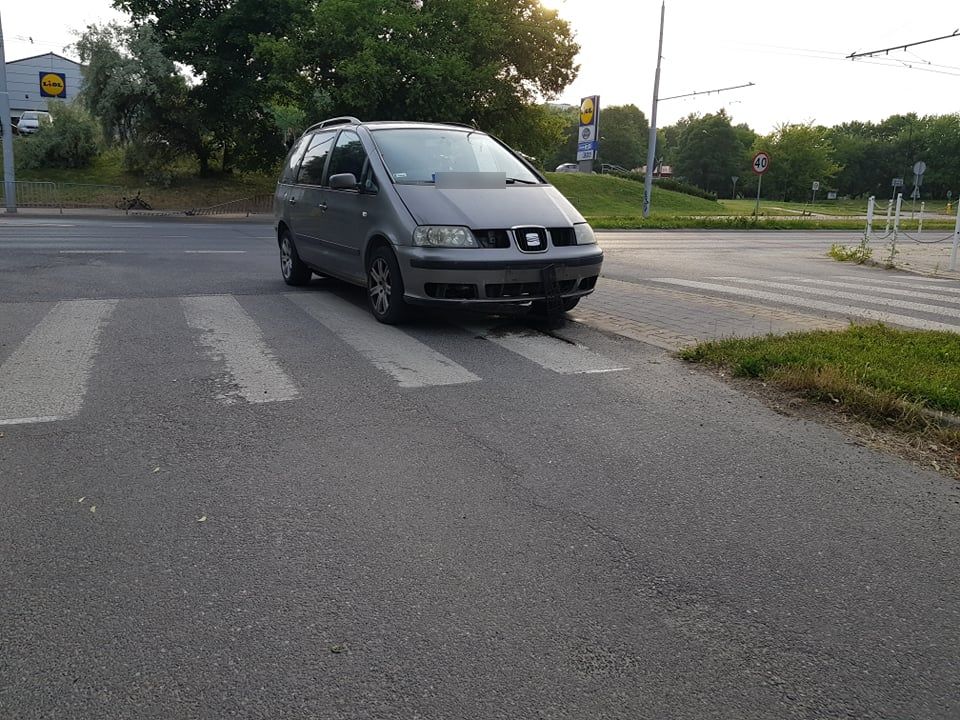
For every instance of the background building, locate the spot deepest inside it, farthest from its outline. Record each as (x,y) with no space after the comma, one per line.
(34,82)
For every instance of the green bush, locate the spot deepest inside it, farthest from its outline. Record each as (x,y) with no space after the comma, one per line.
(70,141)
(669,184)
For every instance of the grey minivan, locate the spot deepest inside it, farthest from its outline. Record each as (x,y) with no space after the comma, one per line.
(428,214)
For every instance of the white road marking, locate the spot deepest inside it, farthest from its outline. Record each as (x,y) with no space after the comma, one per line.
(45,379)
(214,252)
(408,360)
(857,297)
(230,335)
(896,279)
(92,252)
(848,310)
(909,283)
(546,351)
(902,291)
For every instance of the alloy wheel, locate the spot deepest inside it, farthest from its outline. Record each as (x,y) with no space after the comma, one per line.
(380,285)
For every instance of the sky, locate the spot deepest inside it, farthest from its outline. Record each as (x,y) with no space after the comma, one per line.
(794,53)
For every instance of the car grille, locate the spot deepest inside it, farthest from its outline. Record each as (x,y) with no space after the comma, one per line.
(492,238)
(520,290)
(531,239)
(563,237)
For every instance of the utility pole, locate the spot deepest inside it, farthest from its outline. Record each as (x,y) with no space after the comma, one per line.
(9,186)
(652,142)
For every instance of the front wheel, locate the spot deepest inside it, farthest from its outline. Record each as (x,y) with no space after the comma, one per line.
(291,266)
(385,286)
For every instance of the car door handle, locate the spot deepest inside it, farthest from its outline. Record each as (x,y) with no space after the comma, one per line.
(292,201)
(322,206)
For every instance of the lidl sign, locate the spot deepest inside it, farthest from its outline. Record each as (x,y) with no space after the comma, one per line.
(53,85)
(588,133)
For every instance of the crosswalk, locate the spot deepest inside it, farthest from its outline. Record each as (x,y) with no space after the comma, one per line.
(45,376)
(912,302)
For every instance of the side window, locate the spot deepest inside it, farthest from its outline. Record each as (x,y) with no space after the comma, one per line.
(348,156)
(369,181)
(311,171)
(293,159)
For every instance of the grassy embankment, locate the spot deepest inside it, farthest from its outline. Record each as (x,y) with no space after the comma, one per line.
(891,378)
(610,202)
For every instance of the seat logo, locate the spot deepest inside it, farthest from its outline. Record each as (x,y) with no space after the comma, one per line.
(533,239)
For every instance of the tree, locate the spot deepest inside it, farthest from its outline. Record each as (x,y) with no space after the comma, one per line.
(623,131)
(482,62)
(215,41)
(799,154)
(140,99)
(710,150)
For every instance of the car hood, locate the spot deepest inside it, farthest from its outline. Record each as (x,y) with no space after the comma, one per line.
(487,209)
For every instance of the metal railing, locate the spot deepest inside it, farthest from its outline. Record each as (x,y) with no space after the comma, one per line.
(253,205)
(43,194)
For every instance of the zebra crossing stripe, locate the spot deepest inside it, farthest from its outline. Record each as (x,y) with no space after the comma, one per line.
(229,334)
(547,351)
(45,379)
(920,283)
(848,310)
(901,291)
(857,297)
(408,360)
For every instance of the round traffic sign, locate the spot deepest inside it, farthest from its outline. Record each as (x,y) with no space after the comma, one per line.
(919,167)
(761,161)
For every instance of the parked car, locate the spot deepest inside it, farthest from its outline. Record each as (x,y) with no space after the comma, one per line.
(30,121)
(428,214)
(568,167)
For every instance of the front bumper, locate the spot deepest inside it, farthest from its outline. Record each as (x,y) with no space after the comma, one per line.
(454,276)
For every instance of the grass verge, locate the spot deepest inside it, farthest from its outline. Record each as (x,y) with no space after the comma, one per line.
(905,380)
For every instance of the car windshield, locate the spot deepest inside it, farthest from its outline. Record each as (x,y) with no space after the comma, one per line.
(415,155)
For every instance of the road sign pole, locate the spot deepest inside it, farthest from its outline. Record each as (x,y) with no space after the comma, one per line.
(756,210)
(9,178)
(652,141)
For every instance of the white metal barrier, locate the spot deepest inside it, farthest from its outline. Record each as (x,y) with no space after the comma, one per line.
(896,231)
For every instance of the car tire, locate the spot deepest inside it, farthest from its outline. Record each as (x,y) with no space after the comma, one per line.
(385,286)
(292,268)
(569,303)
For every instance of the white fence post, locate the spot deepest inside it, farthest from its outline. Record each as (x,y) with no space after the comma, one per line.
(886,230)
(871,204)
(956,241)
(920,224)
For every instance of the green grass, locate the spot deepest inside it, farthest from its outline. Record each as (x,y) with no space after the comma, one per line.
(884,375)
(186,190)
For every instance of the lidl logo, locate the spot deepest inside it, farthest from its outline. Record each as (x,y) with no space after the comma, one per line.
(586,111)
(53,85)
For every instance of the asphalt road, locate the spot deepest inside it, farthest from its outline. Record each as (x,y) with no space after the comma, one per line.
(221,498)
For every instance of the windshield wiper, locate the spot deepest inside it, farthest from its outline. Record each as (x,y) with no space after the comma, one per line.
(511,181)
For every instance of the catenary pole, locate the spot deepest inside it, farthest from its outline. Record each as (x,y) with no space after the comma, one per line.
(652,143)
(9,186)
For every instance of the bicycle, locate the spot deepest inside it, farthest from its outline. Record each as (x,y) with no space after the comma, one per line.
(133,203)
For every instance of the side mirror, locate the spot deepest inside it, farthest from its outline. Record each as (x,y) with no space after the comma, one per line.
(343,181)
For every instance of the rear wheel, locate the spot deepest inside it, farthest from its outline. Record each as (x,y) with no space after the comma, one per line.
(385,286)
(291,266)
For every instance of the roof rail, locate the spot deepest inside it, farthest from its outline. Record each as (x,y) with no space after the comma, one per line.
(459,124)
(345,120)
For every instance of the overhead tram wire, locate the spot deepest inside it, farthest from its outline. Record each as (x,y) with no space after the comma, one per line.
(886,51)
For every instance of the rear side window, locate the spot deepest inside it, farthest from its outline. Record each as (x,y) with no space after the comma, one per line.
(289,174)
(311,170)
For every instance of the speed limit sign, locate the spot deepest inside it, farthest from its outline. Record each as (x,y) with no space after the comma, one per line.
(761,161)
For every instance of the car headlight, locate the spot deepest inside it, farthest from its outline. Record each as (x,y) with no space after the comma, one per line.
(584,234)
(449,236)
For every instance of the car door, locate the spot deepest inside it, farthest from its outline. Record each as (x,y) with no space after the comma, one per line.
(287,201)
(310,208)
(350,212)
